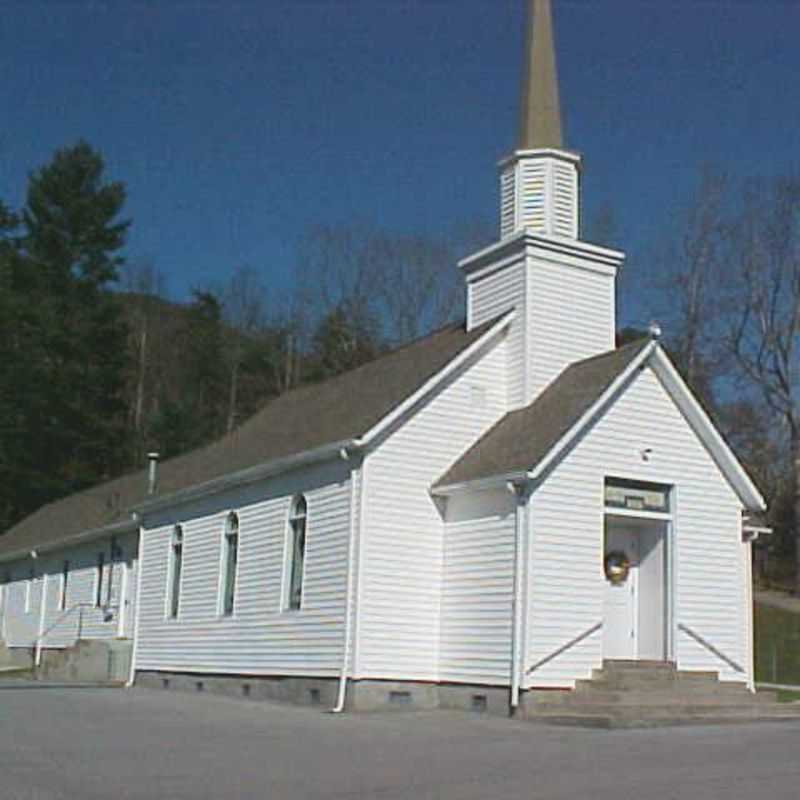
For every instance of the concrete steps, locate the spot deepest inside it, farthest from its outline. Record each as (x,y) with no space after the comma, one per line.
(626,694)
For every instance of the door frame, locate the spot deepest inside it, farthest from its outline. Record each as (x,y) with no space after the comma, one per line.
(669,581)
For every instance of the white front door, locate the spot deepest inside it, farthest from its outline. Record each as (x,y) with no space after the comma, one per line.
(619,607)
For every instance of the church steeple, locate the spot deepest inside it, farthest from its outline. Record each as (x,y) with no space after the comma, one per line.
(560,288)
(540,113)
(539,182)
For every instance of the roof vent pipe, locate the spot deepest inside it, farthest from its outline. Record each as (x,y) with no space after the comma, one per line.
(152,477)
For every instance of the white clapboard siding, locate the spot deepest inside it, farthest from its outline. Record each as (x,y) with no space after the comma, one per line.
(402,538)
(533,195)
(496,294)
(80,615)
(566,583)
(570,317)
(539,193)
(21,624)
(565,199)
(261,637)
(477,588)
(508,201)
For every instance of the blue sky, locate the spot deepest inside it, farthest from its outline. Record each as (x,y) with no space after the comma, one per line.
(239,125)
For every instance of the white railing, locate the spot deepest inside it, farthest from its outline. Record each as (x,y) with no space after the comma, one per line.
(563,649)
(711,649)
(63,617)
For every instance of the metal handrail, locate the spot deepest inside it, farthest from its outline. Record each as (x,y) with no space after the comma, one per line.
(563,649)
(39,641)
(710,647)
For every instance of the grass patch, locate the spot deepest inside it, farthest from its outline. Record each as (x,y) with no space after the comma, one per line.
(777,645)
(787,697)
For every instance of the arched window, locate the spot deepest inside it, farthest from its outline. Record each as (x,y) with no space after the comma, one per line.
(231,556)
(175,568)
(297,551)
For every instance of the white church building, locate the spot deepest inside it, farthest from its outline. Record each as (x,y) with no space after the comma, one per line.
(489,512)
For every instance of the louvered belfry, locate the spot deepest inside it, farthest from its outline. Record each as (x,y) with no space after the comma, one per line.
(539,181)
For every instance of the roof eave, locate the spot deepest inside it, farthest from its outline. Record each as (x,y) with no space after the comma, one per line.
(340,449)
(124,526)
(480,484)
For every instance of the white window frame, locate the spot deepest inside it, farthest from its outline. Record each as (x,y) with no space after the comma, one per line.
(288,560)
(171,563)
(223,565)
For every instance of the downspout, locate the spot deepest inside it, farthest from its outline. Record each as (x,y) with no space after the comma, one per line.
(152,488)
(42,612)
(137,611)
(355,472)
(520,492)
(748,566)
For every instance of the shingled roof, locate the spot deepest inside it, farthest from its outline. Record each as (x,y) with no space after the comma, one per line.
(522,438)
(310,417)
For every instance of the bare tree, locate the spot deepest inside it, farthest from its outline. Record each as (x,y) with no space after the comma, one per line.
(409,282)
(763,308)
(144,286)
(686,281)
(244,305)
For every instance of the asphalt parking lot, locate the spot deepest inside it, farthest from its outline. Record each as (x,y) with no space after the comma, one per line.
(108,743)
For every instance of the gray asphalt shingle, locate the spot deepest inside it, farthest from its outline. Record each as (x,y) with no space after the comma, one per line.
(344,407)
(522,438)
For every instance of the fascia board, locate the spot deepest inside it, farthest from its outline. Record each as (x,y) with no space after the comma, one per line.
(243,477)
(588,256)
(481,484)
(79,538)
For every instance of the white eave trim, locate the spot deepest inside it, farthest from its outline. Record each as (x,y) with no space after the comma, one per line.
(526,242)
(245,476)
(432,383)
(703,426)
(125,526)
(566,440)
(499,481)
(692,411)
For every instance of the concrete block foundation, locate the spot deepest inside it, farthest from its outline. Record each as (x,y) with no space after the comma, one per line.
(362,695)
(15,657)
(88,661)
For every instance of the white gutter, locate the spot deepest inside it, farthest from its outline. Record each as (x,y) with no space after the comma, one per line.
(481,484)
(434,381)
(250,475)
(355,471)
(138,612)
(95,533)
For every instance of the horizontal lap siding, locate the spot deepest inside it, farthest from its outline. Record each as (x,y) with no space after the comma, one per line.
(571,318)
(477,589)
(80,615)
(261,637)
(21,627)
(497,294)
(566,586)
(403,534)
